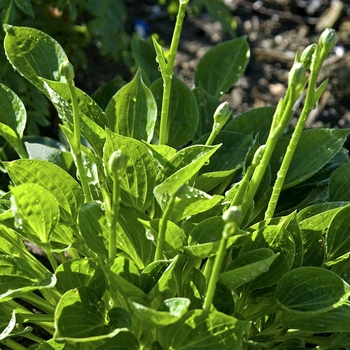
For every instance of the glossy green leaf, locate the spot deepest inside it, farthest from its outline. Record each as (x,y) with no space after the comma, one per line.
(34,54)
(311,290)
(17,277)
(318,216)
(279,240)
(123,278)
(140,176)
(222,65)
(67,191)
(169,312)
(247,267)
(232,153)
(169,186)
(13,117)
(130,238)
(314,249)
(198,329)
(151,274)
(145,56)
(257,120)
(92,119)
(174,236)
(11,242)
(122,341)
(132,111)
(194,288)
(207,181)
(53,155)
(338,239)
(207,105)
(183,112)
(81,317)
(61,238)
(335,320)
(83,272)
(191,202)
(339,189)
(36,212)
(315,149)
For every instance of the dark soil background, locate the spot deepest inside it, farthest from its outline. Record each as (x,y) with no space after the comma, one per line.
(275,30)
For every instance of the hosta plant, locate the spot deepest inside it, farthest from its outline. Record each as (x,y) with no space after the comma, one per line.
(166,223)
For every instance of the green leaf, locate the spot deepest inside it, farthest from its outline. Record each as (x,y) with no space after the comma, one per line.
(232,153)
(13,117)
(95,233)
(314,247)
(174,236)
(198,329)
(92,119)
(81,317)
(279,240)
(207,105)
(169,312)
(222,65)
(194,288)
(151,274)
(207,181)
(338,240)
(247,267)
(339,189)
(122,341)
(145,56)
(132,111)
(183,112)
(335,320)
(36,212)
(315,149)
(310,291)
(191,202)
(169,187)
(83,272)
(50,154)
(34,54)
(67,191)
(17,277)
(25,6)
(257,120)
(123,276)
(140,176)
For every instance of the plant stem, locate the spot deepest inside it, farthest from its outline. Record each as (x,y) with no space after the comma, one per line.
(51,258)
(12,344)
(168,74)
(42,304)
(228,230)
(114,215)
(162,229)
(310,102)
(77,147)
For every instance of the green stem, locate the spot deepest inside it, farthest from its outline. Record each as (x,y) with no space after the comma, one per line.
(214,277)
(278,125)
(77,147)
(35,318)
(162,229)
(51,258)
(11,344)
(209,267)
(168,74)
(310,102)
(42,304)
(115,207)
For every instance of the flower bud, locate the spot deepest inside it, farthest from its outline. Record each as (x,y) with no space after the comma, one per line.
(297,78)
(116,163)
(67,70)
(232,215)
(307,54)
(327,40)
(222,114)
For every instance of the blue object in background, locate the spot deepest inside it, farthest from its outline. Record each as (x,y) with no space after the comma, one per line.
(141,27)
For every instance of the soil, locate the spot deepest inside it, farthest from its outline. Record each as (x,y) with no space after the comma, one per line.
(275,30)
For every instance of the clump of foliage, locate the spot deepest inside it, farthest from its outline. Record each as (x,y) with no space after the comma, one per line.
(174,226)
